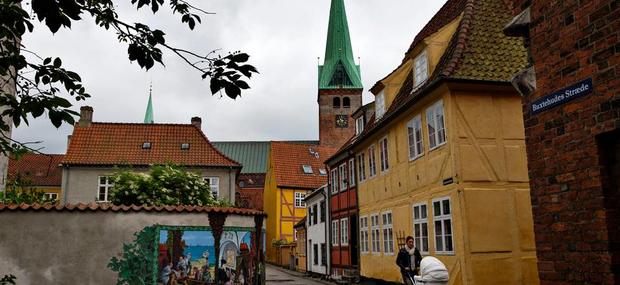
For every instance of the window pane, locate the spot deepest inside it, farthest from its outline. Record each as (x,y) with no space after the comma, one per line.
(416,212)
(439,243)
(447,227)
(424,229)
(438,228)
(423,210)
(437,208)
(446,207)
(417,230)
(449,243)
(425,244)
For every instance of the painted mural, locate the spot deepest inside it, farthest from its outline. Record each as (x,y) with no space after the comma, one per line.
(187,256)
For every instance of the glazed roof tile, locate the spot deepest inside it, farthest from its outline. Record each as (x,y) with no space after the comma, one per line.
(37,169)
(122,144)
(288,159)
(108,207)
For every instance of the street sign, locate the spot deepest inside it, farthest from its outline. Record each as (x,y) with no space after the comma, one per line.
(563,96)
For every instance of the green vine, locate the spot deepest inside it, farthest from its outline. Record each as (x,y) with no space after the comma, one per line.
(136,263)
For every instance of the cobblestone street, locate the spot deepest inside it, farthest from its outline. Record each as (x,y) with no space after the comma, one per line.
(277,275)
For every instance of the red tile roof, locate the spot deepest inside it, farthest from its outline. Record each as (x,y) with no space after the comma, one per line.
(288,159)
(37,169)
(121,143)
(107,207)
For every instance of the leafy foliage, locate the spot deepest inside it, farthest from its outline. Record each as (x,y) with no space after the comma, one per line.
(136,263)
(163,185)
(19,190)
(8,279)
(43,85)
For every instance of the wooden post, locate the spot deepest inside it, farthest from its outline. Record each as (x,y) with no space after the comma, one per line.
(217,221)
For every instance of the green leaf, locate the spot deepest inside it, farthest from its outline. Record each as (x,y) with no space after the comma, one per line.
(57,62)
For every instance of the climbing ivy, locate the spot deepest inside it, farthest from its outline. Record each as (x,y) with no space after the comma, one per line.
(135,266)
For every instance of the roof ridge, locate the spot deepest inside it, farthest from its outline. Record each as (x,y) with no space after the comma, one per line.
(141,124)
(461,38)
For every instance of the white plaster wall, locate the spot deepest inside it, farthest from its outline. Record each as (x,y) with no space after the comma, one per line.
(80,184)
(75,247)
(316,235)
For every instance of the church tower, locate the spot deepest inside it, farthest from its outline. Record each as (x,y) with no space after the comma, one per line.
(340,82)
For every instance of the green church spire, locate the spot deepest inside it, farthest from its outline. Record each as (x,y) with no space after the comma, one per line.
(339,69)
(148,116)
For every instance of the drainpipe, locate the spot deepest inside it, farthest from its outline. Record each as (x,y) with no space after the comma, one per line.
(65,183)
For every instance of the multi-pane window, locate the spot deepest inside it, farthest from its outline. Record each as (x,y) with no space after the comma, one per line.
(342,172)
(420,227)
(361,167)
(323,254)
(51,197)
(420,69)
(372,164)
(323,211)
(359,125)
(299,200)
(436,125)
(364,234)
(344,231)
(375,233)
(105,184)
(383,154)
(334,180)
(379,105)
(352,172)
(414,133)
(335,237)
(388,233)
(214,185)
(442,216)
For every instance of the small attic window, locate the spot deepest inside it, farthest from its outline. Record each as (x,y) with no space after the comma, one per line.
(146,145)
(307,169)
(185,146)
(322,171)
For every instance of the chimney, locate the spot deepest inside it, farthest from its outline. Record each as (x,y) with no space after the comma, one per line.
(197,121)
(86,116)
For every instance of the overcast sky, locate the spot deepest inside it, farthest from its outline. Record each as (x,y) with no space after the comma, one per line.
(283,37)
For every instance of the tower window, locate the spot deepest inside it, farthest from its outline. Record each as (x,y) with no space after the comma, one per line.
(336,102)
(346,102)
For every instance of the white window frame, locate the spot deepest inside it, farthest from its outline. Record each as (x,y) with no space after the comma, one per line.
(342,175)
(352,177)
(361,167)
(359,125)
(387,229)
(421,241)
(375,234)
(344,231)
(383,154)
(214,185)
(106,186)
(372,161)
(50,196)
(420,69)
(442,218)
(334,180)
(364,234)
(335,230)
(415,138)
(299,200)
(380,105)
(436,123)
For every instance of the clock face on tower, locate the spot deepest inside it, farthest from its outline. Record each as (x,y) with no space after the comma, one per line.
(342,121)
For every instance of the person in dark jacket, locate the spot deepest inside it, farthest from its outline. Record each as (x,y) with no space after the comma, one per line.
(408,260)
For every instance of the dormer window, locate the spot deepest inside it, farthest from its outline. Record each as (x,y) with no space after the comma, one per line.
(307,169)
(322,171)
(185,146)
(380,105)
(359,125)
(146,145)
(420,72)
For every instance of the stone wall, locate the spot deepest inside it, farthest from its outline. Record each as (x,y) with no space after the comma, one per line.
(73,245)
(574,200)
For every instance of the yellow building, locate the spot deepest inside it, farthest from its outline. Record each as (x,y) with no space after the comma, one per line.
(443,158)
(294,170)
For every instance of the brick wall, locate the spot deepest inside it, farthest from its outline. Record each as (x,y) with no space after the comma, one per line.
(571,41)
(329,133)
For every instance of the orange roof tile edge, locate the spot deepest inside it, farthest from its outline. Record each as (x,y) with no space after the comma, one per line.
(108,207)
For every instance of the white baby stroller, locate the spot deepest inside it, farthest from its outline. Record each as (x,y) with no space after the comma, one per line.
(432,272)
